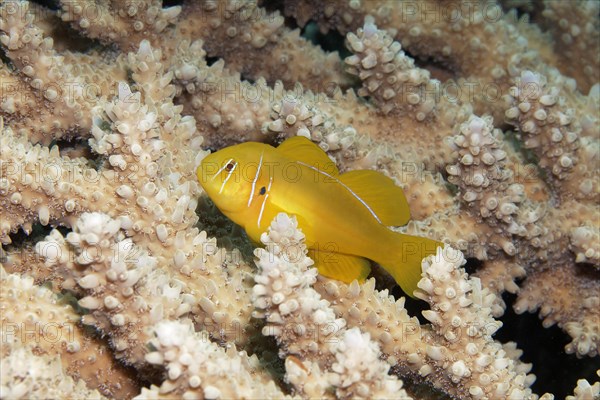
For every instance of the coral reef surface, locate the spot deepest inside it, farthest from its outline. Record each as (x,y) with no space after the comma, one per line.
(120,279)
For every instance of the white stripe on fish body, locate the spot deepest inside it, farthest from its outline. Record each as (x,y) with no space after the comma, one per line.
(256,178)
(345,187)
(262,207)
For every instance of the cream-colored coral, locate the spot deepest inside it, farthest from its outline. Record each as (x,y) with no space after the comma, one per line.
(577,35)
(462,319)
(388,75)
(305,325)
(38,184)
(482,176)
(586,244)
(197,368)
(26,375)
(580,320)
(112,21)
(227,28)
(33,319)
(204,75)
(456,353)
(546,124)
(48,98)
(127,291)
(585,390)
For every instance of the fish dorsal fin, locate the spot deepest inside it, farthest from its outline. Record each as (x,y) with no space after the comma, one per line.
(302,149)
(380,194)
(342,267)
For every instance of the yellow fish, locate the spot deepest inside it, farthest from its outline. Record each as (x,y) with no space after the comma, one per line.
(345,217)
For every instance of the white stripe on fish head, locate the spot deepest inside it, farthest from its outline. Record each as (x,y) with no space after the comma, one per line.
(228,175)
(221,169)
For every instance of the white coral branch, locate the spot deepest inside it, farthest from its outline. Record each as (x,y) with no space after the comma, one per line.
(198,368)
(305,325)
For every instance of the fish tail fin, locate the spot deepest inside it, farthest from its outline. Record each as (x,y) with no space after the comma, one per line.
(407,256)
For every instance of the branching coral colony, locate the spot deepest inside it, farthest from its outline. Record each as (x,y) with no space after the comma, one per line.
(108,107)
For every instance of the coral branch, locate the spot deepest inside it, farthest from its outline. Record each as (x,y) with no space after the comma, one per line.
(488,123)
(456,352)
(306,328)
(35,321)
(197,368)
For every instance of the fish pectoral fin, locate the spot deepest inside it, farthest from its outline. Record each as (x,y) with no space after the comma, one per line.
(342,267)
(303,149)
(380,194)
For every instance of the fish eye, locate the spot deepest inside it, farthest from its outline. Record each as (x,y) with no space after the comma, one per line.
(229,165)
(263,190)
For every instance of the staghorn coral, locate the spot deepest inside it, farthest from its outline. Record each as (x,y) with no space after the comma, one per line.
(585,390)
(461,323)
(306,327)
(198,368)
(26,375)
(107,107)
(34,321)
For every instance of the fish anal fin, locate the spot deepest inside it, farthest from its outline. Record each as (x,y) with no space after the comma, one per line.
(343,267)
(380,194)
(303,149)
(405,260)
